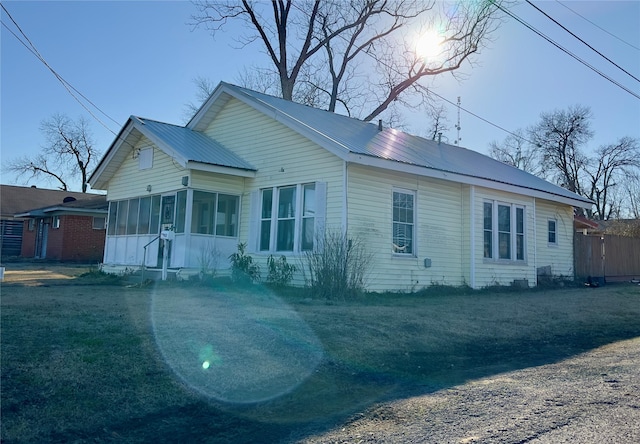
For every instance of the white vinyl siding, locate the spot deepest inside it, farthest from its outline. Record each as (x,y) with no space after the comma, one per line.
(438,215)
(283,158)
(558,256)
(129,181)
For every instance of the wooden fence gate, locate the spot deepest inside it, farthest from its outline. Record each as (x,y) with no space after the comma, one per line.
(606,257)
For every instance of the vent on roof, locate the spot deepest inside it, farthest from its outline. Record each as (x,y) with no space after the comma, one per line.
(68,199)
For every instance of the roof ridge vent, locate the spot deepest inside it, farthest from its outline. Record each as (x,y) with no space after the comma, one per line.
(379,124)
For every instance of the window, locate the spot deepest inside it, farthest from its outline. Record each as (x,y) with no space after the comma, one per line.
(154,225)
(55,222)
(111,223)
(215,214)
(403,222)
(227,215)
(132,218)
(121,222)
(181,210)
(553,231)
(288,218)
(98,222)
(488,230)
(32,224)
(308,216)
(503,231)
(144,214)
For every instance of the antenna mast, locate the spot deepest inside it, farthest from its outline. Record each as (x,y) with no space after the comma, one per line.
(458,139)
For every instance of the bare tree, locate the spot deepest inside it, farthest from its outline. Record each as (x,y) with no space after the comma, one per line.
(204,88)
(438,121)
(632,191)
(607,171)
(517,151)
(354,54)
(68,153)
(561,136)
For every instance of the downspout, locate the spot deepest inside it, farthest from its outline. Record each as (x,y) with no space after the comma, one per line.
(472,237)
(535,245)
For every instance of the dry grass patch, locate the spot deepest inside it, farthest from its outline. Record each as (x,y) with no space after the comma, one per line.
(83,363)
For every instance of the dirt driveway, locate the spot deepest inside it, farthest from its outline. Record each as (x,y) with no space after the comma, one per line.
(592,398)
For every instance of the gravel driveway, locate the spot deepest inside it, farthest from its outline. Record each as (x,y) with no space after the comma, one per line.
(590,398)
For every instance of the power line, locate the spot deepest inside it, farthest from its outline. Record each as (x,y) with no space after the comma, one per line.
(566,51)
(599,27)
(582,41)
(70,88)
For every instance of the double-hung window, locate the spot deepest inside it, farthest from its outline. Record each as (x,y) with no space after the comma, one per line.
(288,218)
(403,222)
(503,231)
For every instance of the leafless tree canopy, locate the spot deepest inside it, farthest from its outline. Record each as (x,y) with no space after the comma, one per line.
(68,153)
(556,147)
(517,152)
(358,56)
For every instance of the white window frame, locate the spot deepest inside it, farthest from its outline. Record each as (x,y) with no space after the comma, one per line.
(55,222)
(397,249)
(513,232)
(553,243)
(274,218)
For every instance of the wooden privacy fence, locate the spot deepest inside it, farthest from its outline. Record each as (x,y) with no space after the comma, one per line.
(613,258)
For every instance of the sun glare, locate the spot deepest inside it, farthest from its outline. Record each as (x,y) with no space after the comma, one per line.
(429,45)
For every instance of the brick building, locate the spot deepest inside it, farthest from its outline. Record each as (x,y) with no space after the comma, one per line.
(73,231)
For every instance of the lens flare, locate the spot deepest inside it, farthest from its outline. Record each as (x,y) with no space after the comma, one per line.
(236,347)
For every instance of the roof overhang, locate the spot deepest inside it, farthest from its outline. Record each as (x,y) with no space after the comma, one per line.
(218,169)
(418,170)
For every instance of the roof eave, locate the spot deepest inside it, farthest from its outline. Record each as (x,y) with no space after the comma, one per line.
(393,165)
(220,169)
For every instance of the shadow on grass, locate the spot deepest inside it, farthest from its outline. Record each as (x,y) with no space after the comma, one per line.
(375,350)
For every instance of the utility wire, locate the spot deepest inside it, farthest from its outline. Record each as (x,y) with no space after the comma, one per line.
(599,27)
(566,51)
(70,88)
(582,41)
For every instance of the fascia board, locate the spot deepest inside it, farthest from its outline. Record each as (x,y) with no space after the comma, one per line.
(199,166)
(461,178)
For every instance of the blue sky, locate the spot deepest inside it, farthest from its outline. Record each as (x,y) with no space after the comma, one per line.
(140,58)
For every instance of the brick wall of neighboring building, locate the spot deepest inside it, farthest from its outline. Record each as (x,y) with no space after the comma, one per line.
(28,248)
(81,242)
(74,241)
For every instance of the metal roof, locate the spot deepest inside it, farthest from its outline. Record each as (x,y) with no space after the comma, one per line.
(348,135)
(194,146)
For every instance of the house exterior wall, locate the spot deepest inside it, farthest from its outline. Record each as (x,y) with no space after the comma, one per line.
(438,229)
(130,181)
(282,157)
(559,255)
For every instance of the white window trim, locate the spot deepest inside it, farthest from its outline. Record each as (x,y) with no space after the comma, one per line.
(104,224)
(55,222)
(414,241)
(256,219)
(495,238)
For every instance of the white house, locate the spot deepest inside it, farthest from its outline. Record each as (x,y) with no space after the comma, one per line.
(258,169)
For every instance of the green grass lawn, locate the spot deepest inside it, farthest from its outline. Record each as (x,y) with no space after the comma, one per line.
(183,363)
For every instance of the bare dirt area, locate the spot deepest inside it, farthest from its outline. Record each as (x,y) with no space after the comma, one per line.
(89,359)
